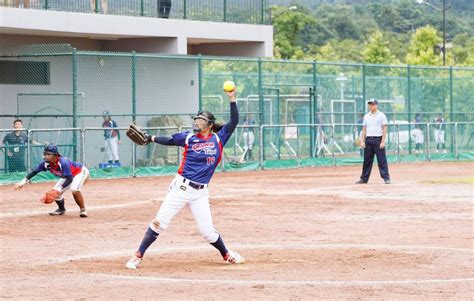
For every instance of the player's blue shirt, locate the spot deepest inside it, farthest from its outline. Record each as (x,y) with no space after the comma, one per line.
(63,168)
(110,132)
(202,154)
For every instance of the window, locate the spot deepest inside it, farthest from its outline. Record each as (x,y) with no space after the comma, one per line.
(24,73)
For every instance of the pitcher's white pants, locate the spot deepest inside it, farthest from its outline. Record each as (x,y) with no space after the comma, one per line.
(111,149)
(179,195)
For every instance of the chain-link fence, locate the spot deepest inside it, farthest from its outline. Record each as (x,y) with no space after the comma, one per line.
(56,86)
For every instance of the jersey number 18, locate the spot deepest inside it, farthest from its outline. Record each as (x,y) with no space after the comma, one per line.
(211,160)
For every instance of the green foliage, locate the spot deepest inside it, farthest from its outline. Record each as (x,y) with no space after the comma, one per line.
(331,30)
(290,26)
(377,50)
(422,47)
(463,50)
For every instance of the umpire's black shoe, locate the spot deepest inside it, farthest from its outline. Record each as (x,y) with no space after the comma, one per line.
(361,182)
(388,182)
(58,212)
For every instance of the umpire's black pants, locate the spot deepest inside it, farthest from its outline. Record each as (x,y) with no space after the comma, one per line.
(372,148)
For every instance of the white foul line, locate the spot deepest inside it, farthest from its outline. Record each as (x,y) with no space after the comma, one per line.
(285,282)
(244,193)
(171,280)
(137,203)
(308,246)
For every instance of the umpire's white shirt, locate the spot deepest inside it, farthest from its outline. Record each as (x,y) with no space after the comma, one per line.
(374,123)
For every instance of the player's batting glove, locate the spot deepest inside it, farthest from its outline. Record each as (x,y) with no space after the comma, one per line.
(20,184)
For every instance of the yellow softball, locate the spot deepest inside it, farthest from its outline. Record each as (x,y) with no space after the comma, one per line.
(229,86)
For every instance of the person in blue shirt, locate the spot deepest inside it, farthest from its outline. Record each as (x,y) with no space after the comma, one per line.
(72,176)
(203,150)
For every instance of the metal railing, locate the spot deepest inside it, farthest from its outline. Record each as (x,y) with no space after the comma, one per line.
(234,11)
(333,144)
(339,141)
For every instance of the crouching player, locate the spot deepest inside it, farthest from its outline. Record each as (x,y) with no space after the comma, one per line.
(73,176)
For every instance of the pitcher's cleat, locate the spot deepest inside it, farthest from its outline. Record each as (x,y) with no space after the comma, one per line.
(233,257)
(134,262)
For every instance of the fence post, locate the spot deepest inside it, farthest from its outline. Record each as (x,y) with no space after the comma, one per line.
(74,100)
(134,160)
(225,10)
(28,154)
(451,105)
(96,7)
(200,82)
(314,110)
(180,129)
(142,8)
(398,143)
(261,153)
(364,96)
(456,150)
(409,106)
(260,92)
(185,9)
(333,127)
(428,144)
(262,8)
(134,88)
(83,146)
(46,4)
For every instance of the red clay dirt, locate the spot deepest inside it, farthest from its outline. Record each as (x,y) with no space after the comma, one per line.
(306,234)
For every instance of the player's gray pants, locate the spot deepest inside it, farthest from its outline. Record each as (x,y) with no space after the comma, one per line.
(439,136)
(111,149)
(249,139)
(179,195)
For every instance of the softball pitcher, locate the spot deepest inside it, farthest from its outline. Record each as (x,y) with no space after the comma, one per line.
(203,150)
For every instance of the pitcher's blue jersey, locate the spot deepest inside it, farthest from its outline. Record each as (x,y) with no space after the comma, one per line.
(201,154)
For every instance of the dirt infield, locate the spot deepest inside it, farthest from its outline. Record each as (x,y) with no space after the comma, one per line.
(306,233)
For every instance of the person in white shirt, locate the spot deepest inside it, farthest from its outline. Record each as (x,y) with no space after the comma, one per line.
(439,133)
(418,134)
(372,140)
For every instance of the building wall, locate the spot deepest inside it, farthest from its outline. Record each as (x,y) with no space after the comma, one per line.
(125,33)
(163,86)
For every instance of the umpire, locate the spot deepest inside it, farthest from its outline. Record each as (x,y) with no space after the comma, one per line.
(372,140)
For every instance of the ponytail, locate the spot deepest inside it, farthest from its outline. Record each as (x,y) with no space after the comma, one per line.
(217,126)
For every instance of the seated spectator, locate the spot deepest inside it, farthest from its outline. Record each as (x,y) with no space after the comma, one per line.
(164,8)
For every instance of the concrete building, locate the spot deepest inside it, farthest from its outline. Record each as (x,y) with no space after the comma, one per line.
(100,32)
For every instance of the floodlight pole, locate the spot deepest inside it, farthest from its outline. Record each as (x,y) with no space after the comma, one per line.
(443,10)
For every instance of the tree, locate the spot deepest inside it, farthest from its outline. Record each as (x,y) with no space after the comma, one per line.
(377,50)
(287,28)
(463,50)
(422,47)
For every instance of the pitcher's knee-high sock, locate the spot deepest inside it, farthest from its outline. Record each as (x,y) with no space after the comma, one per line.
(149,237)
(219,245)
